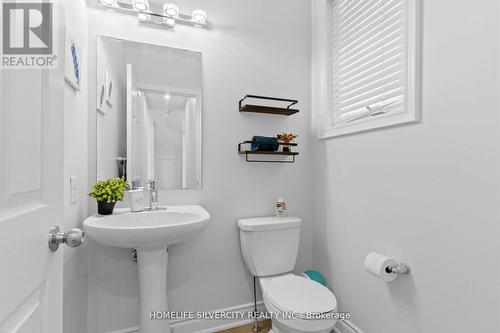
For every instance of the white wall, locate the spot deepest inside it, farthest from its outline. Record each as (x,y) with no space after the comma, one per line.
(255,47)
(168,149)
(112,121)
(425,193)
(75,164)
(180,70)
(189,179)
(140,138)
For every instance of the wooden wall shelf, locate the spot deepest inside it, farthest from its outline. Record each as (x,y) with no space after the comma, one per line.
(286,111)
(268,153)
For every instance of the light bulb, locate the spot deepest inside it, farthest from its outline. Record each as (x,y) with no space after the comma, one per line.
(144,17)
(141,5)
(199,16)
(170,21)
(171,10)
(167,96)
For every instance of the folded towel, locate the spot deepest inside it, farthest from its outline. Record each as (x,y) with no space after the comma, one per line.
(264,143)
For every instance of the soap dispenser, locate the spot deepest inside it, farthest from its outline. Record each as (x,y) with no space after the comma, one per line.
(136,195)
(280,207)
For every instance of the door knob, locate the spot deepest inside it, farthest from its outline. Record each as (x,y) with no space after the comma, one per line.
(73,238)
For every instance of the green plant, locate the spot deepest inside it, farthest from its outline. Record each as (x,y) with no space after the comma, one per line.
(111,190)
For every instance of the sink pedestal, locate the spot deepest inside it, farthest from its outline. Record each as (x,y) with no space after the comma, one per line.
(152,266)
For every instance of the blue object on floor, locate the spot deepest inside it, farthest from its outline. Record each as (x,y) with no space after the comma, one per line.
(264,143)
(315,276)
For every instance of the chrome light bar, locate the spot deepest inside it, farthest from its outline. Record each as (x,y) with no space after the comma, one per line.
(170,16)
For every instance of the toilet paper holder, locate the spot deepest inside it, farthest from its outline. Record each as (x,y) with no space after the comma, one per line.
(400,268)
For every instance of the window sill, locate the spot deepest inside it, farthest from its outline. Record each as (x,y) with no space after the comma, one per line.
(369,124)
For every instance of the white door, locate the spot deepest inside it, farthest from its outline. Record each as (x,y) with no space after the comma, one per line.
(31,187)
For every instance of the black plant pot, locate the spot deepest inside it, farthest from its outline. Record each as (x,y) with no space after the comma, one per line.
(105,208)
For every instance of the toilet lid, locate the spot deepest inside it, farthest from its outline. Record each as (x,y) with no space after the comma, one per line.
(296,294)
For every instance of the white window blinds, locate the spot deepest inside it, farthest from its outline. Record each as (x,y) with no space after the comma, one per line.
(369,58)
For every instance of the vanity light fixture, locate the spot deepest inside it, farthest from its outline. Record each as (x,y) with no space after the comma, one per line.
(141,5)
(168,18)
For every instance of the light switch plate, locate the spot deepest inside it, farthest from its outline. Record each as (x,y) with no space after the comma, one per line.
(73,189)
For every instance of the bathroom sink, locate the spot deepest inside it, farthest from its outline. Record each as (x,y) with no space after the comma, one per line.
(157,228)
(150,233)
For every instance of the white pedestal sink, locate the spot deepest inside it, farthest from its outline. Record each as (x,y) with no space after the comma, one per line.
(150,233)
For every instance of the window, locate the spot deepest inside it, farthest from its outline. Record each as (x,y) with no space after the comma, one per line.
(372,65)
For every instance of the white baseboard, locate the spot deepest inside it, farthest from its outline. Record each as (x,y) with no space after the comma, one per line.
(347,326)
(134,329)
(210,326)
(206,326)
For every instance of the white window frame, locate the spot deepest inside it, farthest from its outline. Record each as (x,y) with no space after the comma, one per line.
(322,101)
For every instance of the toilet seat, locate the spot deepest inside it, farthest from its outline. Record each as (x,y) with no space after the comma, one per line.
(300,296)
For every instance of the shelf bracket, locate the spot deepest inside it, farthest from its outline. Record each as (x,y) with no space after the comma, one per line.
(292,101)
(267,161)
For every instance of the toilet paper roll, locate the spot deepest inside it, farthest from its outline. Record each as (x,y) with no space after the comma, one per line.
(376,263)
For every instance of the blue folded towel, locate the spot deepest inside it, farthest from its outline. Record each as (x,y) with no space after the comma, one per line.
(264,143)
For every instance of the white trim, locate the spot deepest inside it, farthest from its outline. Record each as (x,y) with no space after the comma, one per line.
(321,72)
(209,326)
(320,65)
(347,326)
(205,326)
(381,121)
(126,330)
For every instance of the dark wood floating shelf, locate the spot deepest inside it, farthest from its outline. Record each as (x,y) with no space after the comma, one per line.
(286,111)
(267,109)
(263,152)
(281,143)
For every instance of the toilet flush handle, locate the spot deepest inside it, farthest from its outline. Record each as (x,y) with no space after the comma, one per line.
(400,268)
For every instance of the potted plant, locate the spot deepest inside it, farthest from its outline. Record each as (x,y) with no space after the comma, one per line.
(107,193)
(286,138)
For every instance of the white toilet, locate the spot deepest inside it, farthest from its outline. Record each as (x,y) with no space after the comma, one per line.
(269,246)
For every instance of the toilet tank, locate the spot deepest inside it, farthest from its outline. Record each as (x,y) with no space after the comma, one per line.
(270,245)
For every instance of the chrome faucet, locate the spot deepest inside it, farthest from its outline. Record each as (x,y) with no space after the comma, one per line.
(153,195)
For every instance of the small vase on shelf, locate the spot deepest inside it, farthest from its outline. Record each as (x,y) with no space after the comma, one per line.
(285,139)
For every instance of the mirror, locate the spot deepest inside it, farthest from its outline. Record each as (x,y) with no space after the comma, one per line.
(149,113)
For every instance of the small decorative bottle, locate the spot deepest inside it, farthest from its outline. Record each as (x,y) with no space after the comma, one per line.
(280,207)
(136,195)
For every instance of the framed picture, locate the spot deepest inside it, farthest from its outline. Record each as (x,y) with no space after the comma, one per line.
(109,91)
(103,92)
(73,66)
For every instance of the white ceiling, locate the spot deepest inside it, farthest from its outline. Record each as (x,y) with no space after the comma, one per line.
(158,101)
